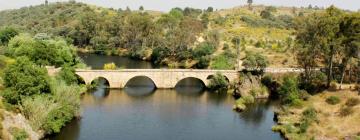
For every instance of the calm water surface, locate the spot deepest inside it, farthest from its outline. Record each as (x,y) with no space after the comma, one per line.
(185,113)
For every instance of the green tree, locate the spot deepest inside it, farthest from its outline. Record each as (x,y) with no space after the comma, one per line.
(318,41)
(267,13)
(249,2)
(218,81)
(210,9)
(24,78)
(42,52)
(289,91)
(349,33)
(67,74)
(6,34)
(328,37)
(255,61)
(141,8)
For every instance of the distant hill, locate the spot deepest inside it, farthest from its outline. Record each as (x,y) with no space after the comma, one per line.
(261,29)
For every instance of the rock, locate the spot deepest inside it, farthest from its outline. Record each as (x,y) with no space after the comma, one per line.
(251,85)
(19,121)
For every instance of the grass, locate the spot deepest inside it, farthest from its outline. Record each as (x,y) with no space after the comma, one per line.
(333,121)
(333,100)
(18,134)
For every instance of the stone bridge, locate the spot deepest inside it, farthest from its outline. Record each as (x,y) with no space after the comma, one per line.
(162,78)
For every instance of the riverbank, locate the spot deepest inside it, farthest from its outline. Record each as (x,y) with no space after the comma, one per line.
(328,115)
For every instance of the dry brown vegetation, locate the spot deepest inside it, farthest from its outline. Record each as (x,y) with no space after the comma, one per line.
(340,121)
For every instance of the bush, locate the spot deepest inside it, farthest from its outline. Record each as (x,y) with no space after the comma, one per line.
(109,66)
(203,62)
(346,111)
(333,100)
(266,80)
(289,91)
(67,74)
(218,81)
(248,99)
(315,82)
(24,78)
(18,134)
(6,34)
(223,61)
(255,61)
(309,115)
(51,112)
(352,102)
(333,86)
(203,49)
(159,54)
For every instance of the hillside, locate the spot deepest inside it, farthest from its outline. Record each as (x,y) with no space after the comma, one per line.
(181,38)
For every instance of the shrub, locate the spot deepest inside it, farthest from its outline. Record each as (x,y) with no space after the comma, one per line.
(333,86)
(51,112)
(203,49)
(314,83)
(255,61)
(18,134)
(248,99)
(109,66)
(203,62)
(6,34)
(266,80)
(308,116)
(67,73)
(218,81)
(24,78)
(352,102)
(289,91)
(333,100)
(159,54)
(223,61)
(346,111)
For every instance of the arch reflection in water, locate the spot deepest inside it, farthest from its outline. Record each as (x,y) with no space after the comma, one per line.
(102,88)
(140,86)
(190,87)
(100,82)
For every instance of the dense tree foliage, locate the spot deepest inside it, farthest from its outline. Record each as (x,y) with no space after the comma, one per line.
(218,82)
(42,51)
(140,33)
(6,34)
(24,78)
(330,39)
(255,61)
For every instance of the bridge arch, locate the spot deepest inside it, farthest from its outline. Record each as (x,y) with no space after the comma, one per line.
(101,79)
(142,81)
(189,83)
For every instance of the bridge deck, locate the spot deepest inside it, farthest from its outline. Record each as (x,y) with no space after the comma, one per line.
(156,70)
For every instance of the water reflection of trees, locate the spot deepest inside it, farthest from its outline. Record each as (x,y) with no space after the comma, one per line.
(70,132)
(255,113)
(217,97)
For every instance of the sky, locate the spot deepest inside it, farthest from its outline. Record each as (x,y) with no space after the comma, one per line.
(166,5)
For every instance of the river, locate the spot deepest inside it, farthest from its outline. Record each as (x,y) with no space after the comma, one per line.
(185,113)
